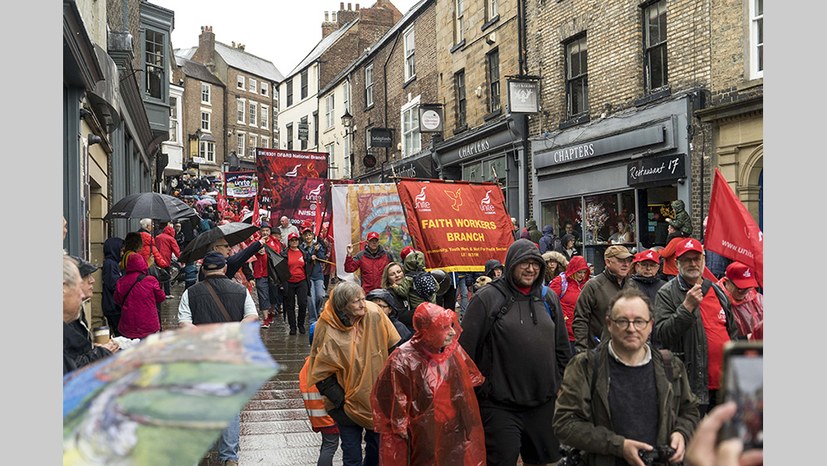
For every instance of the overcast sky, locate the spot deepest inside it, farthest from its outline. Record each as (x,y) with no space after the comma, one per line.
(282,32)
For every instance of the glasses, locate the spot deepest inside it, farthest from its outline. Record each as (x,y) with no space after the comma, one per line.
(531,264)
(639,324)
(222,245)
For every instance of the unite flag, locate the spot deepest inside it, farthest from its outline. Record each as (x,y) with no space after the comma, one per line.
(731,231)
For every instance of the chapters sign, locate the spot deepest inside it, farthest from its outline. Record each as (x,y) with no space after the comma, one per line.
(457,225)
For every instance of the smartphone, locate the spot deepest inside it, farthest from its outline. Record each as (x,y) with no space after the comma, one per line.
(743,382)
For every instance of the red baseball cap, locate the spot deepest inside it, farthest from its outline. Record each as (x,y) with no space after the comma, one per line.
(292,235)
(741,275)
(405,251)
(373,235)
(647,255)
(689,244)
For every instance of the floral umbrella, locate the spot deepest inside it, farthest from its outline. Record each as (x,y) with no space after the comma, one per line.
(164,401)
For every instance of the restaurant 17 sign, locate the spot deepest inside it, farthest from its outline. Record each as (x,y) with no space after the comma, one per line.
(457,225)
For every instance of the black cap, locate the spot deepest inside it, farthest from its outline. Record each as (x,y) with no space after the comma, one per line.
(86,268)
(214,260)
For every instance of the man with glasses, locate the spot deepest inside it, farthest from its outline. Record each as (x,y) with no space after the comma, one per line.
(646,265)
(623,398)
(693,319)
(590,311)
(522,351)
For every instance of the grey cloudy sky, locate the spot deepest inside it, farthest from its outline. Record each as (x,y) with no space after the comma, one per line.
(282,32)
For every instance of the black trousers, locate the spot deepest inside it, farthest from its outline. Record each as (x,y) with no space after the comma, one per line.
(293,291)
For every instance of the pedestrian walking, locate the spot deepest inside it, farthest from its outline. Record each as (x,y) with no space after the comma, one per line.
(167,247)
(568,287)
(317,252)
(138,294)
(297,286)
(417,286)
(370,262)
(265,291)
(747,302)
(110,274)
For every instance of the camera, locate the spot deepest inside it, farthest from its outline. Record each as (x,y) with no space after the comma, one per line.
(571,456)
(660,455)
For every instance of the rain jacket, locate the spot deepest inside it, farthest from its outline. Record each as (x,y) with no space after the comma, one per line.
(590,311)
(583,420)
(78,349)
(550,242)
(320,421)
(151,247)
(109,276)
(534,233)
(521,353)
(683,332)
(490,265)
(396,309)
(649,285)
(414,264)
(354,355)
(167,245)
(423,400)
(748,313)
(682,221)
(370,266)
(315,271)
(568,300)
(139,314)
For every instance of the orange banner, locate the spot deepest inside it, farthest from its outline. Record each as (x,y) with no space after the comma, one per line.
(458,225)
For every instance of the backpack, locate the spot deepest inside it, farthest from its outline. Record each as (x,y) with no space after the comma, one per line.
(424,284)
(564,284)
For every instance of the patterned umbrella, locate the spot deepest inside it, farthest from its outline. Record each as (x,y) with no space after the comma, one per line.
(166,400)
(157,206)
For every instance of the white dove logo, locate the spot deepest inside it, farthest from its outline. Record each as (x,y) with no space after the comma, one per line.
(421,196)
(294,171)
(318,190)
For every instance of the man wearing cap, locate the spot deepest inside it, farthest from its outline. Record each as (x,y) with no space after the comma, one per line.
(370,261)
(267,296)
(589,325)
(747,302)
(646,264)
(286,228)
(317,252)
(299,264)
(693,319)
(218,299)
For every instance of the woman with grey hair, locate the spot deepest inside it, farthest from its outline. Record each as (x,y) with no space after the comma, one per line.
(351,342)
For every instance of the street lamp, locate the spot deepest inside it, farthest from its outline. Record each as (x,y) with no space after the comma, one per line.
(347,121)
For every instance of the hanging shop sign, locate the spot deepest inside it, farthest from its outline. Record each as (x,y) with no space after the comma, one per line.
(522,96)
(430,118)
(652,169)
(380,137)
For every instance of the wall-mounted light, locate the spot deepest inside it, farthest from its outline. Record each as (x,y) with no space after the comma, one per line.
(93,139)
(84,113)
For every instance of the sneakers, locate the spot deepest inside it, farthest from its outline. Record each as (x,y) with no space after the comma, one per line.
(267,321)
(301,329)
(293,331)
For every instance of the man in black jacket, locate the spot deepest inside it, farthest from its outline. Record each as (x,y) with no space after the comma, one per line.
(521,347)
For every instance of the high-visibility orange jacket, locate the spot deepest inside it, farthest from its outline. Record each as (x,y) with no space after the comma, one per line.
(314,404)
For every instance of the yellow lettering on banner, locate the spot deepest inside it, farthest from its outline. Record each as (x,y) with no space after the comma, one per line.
(465,237)
(436,223)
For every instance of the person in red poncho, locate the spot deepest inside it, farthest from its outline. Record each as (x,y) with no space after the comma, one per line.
(424,405)
(567,288)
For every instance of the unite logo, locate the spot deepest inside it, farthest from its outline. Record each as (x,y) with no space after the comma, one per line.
(313,195)
(294,171)
(420,203)
(485,204)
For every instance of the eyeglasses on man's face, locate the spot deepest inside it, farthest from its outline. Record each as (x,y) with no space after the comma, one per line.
(529,264)
(224,245)
(623,324)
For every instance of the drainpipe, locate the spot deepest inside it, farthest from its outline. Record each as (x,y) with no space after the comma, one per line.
(385,91)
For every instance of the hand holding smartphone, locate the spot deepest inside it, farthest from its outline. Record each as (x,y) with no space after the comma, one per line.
(743,383)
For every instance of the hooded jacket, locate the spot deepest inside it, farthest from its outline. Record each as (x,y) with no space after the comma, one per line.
(425,393)
(111,272)
(167,245)
(490,265)
(414,264)
(573,288)
(370,264)
(583,420)
(521,353)
(151,248)
(549,242)
(354,355)
(682,221)
(590,311)
(534,233)
(565,241)
(139,314)
(396,309)
(748,313)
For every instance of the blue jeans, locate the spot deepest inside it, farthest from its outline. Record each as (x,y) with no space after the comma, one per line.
(228,442)
(462,290)
(330,443)
(352,446)
(265,294)
(314,307)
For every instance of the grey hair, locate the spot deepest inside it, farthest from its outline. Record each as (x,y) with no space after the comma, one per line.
(71,273)
(346,291)
(146,223)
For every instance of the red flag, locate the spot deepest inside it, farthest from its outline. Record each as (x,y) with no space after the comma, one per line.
(731,231)
(256,214)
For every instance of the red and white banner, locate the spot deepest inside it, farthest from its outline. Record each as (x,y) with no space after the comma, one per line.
(731,231)
(458,224)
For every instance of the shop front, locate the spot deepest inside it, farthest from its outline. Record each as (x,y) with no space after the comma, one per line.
(614,180)
(493,153)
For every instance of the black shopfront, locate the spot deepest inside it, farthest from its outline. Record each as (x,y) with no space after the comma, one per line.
(619,173)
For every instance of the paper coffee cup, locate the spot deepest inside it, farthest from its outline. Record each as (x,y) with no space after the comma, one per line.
(102,335)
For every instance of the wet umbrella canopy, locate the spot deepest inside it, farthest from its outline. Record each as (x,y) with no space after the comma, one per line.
(233,232)
(156,206)
(165,400)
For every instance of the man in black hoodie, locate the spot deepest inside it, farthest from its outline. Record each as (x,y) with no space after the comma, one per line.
(522,351)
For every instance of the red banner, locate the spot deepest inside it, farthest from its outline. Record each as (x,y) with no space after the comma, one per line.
(274,162)
(458,225)
(731,231)
(292,183)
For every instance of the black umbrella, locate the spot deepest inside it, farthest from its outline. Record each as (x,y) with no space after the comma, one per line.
(277,266)
(233,232)
(157,206)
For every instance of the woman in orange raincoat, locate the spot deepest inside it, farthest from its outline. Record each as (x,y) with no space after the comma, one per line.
(424,406)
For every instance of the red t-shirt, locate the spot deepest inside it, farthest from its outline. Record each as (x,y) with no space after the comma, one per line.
(295,263)
(714,319)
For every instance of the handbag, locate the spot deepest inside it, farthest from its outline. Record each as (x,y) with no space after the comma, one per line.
(161,274)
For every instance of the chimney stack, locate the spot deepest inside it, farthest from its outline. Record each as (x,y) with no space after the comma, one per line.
(329,25)
(206,46)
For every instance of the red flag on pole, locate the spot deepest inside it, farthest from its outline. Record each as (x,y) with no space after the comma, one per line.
(731,231)
(256,214)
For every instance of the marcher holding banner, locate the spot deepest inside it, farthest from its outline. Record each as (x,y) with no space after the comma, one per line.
(370,262)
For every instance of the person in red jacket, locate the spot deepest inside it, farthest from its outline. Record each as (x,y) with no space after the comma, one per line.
(149,246)
(740,286)
(370,262)
(167,246)
(568,287)
(667,254)
(267,299)
(138,294)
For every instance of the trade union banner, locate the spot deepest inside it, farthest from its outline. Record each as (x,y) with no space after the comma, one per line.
(458,225)
(240,184)
(359,209)
(731,231)
(291,183)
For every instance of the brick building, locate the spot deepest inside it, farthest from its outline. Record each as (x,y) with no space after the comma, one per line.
(623,88)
